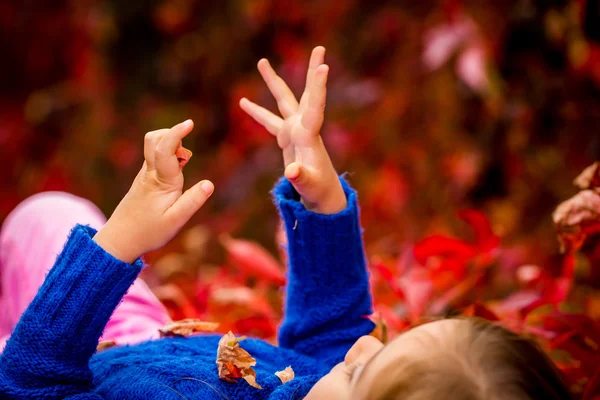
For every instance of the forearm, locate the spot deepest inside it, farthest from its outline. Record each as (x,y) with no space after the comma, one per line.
(48,353)
(328,299)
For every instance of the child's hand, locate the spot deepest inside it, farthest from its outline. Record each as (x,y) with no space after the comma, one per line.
(154,209)
(307,164)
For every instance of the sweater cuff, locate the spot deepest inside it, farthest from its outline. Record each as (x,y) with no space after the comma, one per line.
(287,200)
(66,318)
(322,239)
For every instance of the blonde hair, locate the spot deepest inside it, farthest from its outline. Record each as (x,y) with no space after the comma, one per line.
(478,361)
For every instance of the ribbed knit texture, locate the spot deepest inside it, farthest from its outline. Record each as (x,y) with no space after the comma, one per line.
(50,354)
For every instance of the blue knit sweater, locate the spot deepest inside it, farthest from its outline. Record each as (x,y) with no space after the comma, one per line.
(51,353)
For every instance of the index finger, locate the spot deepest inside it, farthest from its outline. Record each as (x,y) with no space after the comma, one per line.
(317,57)
(171,140)
(286,101)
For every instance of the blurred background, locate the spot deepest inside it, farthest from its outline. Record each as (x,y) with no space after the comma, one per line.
(462,125)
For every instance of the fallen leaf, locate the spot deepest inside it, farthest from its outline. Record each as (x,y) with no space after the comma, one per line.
(249,375)
(381,330)
(485,239)
(105,344)
(286,375)
(417,287)
(479,310)
(187,327)
(455,294)
(183,155)
(252,259)
(175,300)
(576,218)
(593,387)
(589,178)
(234,362)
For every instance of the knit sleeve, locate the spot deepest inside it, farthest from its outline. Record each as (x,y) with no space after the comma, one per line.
(48,352)
(328,299)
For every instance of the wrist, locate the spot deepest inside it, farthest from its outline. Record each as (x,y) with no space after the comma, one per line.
(332,202)
(113,245)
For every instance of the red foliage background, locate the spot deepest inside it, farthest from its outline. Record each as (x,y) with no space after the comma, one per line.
(463,124)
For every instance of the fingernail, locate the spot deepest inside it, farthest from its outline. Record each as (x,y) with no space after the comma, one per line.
(186,123)
(208,187)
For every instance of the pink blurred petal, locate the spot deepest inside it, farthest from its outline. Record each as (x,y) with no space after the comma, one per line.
(443,41)
(471,68)
(417,287)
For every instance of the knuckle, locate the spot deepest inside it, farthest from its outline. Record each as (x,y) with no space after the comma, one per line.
(149,137)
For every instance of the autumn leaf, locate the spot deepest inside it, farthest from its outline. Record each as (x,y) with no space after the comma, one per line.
(183,155)
(233,362)
(286,375)
(593,388)
(381,330)
(417,287)
(187,327)
(253,259)
(485,239)
(576,218)
(443,246)
(479,310)
(589,178)
(105,344)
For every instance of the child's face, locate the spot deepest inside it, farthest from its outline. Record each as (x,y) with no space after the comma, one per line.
(369,358)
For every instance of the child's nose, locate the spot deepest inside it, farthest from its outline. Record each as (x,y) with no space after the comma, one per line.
(364,348)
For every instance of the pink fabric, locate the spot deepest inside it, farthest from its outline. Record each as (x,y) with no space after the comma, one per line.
(30,240)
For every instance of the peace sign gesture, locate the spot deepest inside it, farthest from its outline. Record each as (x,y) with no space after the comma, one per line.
(307,164)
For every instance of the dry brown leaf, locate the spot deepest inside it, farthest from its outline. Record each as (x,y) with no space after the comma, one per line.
(576,218)
(249,375)
(187,327)
(589,178)
(286,375)
(105,344)
(381,329)
(183,156)
(233,362)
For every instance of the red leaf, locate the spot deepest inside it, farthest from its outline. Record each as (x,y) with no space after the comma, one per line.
(183,156)
(389,277)
(257,326)
(443,246)
(234,372)
(557,341)
(174,299)
(455,294)
(394,323)
(576,218)
(485,239)
(518,304)
(479,310)
(417,288)
(253,259)
(557,290)
(592,390)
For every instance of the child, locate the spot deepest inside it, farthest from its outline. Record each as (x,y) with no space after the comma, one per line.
(51,352)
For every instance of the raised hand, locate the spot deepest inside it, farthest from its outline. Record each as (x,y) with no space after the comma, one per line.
(155,208)
(307,164)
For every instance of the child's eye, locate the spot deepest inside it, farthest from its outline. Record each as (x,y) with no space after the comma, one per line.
(350,369)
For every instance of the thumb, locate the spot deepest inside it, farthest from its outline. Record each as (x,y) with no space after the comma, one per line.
(300,178)
(190,202)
